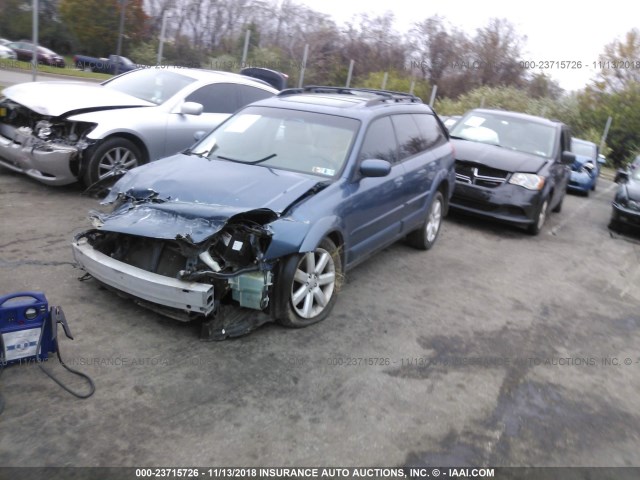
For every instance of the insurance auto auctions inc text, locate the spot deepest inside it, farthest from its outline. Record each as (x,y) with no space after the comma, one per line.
(351,472)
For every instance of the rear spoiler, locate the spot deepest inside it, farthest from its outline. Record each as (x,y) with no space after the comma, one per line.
(277,80)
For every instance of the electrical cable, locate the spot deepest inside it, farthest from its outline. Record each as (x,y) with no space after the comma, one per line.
(92,387)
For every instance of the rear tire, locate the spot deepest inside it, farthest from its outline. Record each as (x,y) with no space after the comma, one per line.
(425,237)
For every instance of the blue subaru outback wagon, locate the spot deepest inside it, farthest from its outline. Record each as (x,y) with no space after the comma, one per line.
(270,209)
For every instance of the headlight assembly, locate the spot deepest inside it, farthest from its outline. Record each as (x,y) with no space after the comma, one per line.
(530,181)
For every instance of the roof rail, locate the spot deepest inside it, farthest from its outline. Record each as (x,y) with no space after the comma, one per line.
(379,95)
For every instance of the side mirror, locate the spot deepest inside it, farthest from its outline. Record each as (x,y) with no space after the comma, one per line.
(568,158)
(372,167)
(191,108)
(602,159)
(622,176)
(198,135)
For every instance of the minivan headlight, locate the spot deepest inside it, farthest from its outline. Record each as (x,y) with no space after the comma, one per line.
(530,181)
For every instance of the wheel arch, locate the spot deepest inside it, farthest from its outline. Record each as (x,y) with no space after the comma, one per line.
(137,141)
(132,138)
(327,227)
(444,188)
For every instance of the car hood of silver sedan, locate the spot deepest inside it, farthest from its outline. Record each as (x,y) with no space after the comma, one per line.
(186,196)
(58,98)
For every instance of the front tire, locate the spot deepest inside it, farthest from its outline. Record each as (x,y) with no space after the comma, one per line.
(425,237)
(541,218)
(308,285)
(110,156)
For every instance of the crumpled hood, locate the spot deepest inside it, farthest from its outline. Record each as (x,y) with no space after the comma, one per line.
(57,98)
(497,157)
(190,196)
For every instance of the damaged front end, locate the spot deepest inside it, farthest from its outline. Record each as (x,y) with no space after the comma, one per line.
(46,148)
(195,268)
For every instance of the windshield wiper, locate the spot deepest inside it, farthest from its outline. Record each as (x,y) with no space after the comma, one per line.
(204,154)
(255,162)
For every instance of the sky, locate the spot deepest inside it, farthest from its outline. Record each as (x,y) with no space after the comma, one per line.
(556,30)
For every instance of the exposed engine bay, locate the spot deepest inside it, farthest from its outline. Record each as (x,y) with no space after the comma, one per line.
(231,261)
(39,142)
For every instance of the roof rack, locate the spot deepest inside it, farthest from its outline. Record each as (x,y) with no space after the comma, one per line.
(380,95)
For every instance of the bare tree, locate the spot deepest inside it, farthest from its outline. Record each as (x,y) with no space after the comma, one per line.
(619,63)
(497,52)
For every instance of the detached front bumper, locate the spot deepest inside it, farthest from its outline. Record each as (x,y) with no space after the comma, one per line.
(508,203)
(158,289)
(47,162)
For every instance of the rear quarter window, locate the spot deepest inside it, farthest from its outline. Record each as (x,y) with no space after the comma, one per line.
(417,132)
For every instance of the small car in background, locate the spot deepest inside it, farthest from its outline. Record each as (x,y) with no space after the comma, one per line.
(626,203)
(24,51)
(7,53)
(104,65)
(261,218)
(511,166)
(586,169)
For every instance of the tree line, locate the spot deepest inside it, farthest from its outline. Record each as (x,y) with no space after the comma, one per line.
(482,68)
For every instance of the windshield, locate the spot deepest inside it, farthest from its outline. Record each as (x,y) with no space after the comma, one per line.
(584,149)
(506,131)
(151,84)
(292,140)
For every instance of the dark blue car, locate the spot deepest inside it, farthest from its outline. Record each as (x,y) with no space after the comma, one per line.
(271,209)
(586,168)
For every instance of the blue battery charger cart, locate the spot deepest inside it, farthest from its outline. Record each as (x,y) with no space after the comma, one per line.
(28,334)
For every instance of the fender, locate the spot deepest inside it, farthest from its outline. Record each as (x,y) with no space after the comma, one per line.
(320,230)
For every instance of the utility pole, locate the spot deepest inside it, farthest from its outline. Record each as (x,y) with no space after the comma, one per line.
(163,30)
(350,73)
(34,66)
(304,65)
(123,4)
(245,51)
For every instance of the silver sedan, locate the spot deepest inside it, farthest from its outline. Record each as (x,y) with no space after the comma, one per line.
(63,132)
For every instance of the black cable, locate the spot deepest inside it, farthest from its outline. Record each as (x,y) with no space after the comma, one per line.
(92,387)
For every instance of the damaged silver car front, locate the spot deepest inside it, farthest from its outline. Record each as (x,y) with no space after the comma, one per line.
(43,147)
